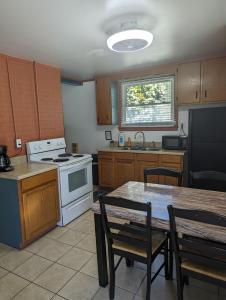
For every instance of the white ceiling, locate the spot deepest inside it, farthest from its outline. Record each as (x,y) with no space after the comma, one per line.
(71,33)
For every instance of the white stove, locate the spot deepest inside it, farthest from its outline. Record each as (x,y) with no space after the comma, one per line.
(74,175)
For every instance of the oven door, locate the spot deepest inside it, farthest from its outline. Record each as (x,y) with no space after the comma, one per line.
(75,181)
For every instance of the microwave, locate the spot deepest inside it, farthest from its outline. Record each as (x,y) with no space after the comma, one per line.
(174,142)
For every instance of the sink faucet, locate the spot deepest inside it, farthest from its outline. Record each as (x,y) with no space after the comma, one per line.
(142,136)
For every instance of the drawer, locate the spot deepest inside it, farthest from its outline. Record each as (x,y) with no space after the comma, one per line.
(37,180)
(124,155)
(164,158)
(105,154)
(147,157)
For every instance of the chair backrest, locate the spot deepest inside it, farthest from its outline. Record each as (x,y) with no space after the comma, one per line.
(208,179)
(134,235)
(163,172)
(197,250)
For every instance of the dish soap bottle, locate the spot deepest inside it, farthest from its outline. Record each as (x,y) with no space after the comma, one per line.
(121,139)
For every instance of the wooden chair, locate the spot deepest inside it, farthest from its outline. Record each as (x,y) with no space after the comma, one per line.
(130,241)
(163,172)
(196,257)
(210,180)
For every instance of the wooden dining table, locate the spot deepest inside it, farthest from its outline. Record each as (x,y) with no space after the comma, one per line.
(160,197)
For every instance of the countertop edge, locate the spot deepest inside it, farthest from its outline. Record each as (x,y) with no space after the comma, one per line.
(161,152)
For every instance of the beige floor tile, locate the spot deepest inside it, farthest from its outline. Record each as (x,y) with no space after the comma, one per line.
(103,294)
(34,292)
(38,245)
(129,278)
(10,285)
(55,277)
(87,215)
(85,226)
(54,250)
(204,285)
(192,292)
(4,249)
(72,237)
(14,259)
(75,258)
(73,223)
(88,243)
(80,287)
(90,268)
(56,232)
(58,298)
(3,272)
(33,267)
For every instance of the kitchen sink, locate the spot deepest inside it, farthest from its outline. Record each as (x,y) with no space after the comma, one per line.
(138,148)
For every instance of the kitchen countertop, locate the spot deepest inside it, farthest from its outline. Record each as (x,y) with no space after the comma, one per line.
(161,151)
(25,170)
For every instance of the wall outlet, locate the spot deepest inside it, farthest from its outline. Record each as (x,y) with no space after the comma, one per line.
(18,143)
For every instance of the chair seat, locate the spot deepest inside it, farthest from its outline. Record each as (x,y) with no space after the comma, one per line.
(158,238)
(209,271)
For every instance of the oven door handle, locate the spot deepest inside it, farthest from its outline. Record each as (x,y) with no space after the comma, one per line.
(76,165)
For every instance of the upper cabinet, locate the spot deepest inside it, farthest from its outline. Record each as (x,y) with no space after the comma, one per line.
(106,101)
(50,110)
(188,77)
(24,105)
(7,136)
(202,82)
(214,80)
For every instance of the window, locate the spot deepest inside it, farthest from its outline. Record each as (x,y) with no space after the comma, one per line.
(148,103)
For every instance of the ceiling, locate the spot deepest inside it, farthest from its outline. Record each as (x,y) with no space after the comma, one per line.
(72,34)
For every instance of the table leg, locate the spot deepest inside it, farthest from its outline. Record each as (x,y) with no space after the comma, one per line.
(101,251)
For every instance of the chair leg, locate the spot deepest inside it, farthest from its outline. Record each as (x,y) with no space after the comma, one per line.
(180,285)
(148,291)
(186,280)
(166,261)
(112,275)
(170,259)
(129,262)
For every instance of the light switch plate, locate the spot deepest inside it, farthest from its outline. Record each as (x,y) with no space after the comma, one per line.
(18,143)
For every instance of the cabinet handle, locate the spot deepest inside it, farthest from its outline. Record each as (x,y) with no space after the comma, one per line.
(196,95)
(205,93)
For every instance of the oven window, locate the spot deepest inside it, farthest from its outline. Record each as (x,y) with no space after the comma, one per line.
(77,179)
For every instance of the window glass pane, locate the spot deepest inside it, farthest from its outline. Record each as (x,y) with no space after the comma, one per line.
(148,102)
(77,179)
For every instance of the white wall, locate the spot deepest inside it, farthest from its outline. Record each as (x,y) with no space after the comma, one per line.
(80,120)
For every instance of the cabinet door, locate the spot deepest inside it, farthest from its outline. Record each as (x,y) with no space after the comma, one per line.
(144,161)
(106,172)
(124,168)
(50,110)
(103,101)
(189,83)
(22,86)
(40,210)
(214,80)
(7,135)
(174,162)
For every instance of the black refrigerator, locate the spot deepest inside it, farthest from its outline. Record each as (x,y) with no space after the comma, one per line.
(207,147)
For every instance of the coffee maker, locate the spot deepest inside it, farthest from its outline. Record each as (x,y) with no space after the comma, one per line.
(5,164)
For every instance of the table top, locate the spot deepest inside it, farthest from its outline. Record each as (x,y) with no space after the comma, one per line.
(161,196)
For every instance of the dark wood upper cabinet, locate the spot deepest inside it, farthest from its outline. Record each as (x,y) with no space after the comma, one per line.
(7,132)
(49,99)
(24,105)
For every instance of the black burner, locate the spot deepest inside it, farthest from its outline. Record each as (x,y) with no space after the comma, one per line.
(79,155)
(61,159)
(47,159)
(65,155)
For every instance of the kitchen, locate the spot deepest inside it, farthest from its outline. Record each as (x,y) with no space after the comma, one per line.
(73,88)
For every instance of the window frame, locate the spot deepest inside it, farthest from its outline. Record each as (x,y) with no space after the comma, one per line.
(173,127)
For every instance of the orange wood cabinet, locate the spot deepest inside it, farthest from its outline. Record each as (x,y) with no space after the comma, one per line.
(188,81)
(49,99)
(7,135)
(116,168)
(103,101)
(39,205)
(214,80)
(106,169)
(22,88)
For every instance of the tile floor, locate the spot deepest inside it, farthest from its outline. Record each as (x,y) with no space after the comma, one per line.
(62,265)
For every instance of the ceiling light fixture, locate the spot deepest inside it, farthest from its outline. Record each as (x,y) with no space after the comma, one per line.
(131,40)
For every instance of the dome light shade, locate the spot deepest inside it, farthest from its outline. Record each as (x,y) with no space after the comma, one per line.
(130,40)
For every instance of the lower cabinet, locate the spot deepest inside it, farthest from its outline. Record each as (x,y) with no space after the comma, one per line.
(32,207)
(117,168)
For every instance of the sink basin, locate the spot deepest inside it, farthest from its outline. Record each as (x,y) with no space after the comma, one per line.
(138,148)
